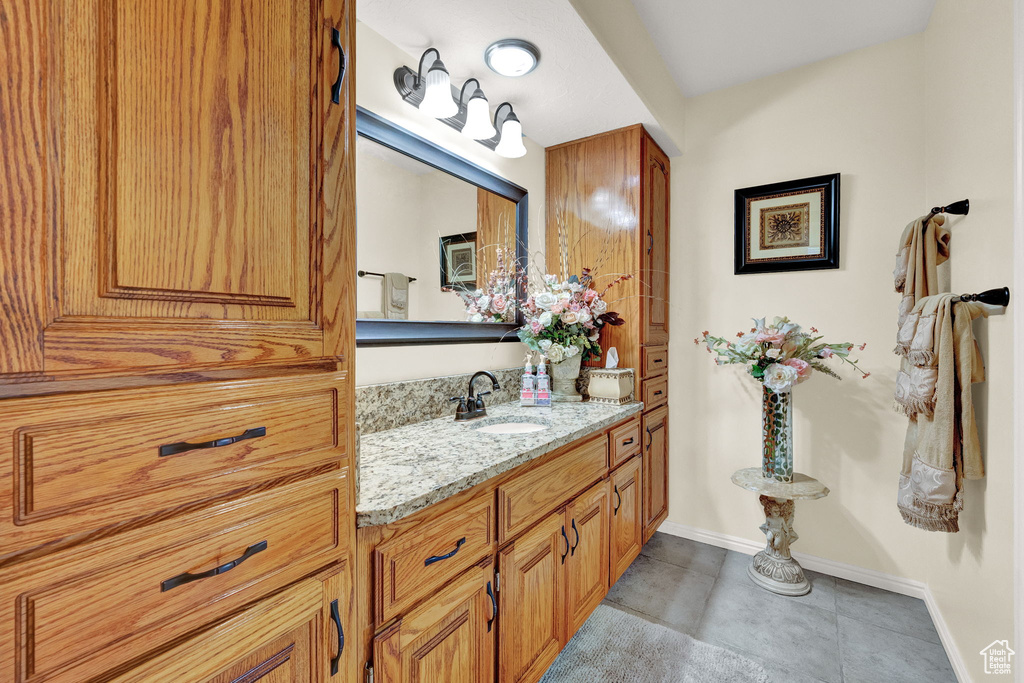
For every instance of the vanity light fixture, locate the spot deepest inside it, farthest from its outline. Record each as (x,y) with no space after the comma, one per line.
(512,57)
(510,144)
(437,95)
(478,115)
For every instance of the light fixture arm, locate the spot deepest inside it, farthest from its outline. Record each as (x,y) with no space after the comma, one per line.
(462,93)
(419,72)
(498,111)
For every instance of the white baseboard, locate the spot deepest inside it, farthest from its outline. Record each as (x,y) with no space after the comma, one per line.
(869,577)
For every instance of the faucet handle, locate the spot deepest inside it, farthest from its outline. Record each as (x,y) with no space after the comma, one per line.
(453,399)
(483,393)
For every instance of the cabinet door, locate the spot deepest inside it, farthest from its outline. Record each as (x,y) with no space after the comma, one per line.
(587,575)
(290,637)
(202,185)
(654,272)
(627,517)
(448,638)
(533,601)
(655,475)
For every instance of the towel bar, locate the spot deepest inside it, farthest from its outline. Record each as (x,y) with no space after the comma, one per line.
(364,273)
(1000,296)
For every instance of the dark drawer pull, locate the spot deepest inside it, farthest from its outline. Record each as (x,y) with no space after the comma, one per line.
(577,532)
(618,501)
(494,607)
(336,88)
(628,441)
(437,558)
(566,539)
(183,446)
(336,618)
(659,360)
(182,579)
(658,392)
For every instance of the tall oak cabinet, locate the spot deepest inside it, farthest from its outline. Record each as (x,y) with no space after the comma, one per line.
(608,210)
(176,277)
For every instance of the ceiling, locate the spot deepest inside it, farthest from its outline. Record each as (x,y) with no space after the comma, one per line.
(713,44)
(575,91)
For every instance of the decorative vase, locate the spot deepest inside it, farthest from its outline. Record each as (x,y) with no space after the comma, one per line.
(777,436)
(563,379)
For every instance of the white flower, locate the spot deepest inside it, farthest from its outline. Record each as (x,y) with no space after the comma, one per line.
(584,315)
(569,317)
(545,300)
(571,351)
(773,353)
(544,345)
(780,378)
(556,354)
(594,336)
(550,279)
(575,287)
(546,319)
(476,318)
(484,303)
(479,292)
(565,294)
(598,307)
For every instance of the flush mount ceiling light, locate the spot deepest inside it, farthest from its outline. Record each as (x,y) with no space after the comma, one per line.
(512,57)
(434,95)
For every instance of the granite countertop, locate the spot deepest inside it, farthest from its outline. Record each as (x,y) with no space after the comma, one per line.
(406,469)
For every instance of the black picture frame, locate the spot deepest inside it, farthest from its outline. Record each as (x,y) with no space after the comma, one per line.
(448,278)
(381,332)
(748,260)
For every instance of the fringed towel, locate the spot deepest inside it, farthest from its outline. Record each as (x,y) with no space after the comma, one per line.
(922,248)
(942,446)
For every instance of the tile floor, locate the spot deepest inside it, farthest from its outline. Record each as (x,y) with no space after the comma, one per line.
(840,632)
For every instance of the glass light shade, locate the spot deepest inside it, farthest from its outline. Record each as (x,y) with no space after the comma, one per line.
(512,57)
(511,143)
(478,118)
(437,98)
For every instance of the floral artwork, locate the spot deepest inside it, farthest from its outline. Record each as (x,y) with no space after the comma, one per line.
(564,318)
(780,355)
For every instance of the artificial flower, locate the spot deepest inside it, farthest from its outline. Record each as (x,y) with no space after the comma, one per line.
(780,378)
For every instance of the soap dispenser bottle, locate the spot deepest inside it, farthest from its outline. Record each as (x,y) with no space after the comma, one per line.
(543,385)
(528,396)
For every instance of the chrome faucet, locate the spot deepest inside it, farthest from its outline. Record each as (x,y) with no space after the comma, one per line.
(472,406)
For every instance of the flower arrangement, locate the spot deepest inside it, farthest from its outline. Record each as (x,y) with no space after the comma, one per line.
(495,302)
(780,355)
(564,317)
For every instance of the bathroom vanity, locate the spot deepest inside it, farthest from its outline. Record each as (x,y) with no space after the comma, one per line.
(484,552)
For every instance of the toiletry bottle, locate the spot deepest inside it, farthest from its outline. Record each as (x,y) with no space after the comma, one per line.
(543,385)
(528,396)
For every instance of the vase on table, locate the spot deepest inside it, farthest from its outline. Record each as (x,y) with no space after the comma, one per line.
(777,436)
(563,379)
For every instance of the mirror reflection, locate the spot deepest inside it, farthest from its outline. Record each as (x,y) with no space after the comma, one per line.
(430,246)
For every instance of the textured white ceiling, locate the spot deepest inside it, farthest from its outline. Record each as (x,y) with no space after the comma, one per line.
(713,44)
(575,91)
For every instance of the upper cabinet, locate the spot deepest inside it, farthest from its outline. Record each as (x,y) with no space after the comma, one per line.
(195,187)
(654,259)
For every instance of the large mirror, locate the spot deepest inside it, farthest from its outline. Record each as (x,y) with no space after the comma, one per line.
(440,242)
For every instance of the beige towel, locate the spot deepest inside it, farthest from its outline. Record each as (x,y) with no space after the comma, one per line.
(395,293)
(922,249)
(943,448)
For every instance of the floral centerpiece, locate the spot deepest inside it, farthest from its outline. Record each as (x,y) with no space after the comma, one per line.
(563,322)
(780,356)
(495,302)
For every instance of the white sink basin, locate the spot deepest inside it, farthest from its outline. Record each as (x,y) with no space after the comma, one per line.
(512,428)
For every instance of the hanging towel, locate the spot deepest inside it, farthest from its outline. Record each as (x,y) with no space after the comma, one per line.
(922,248)
(942,446)
(395,293)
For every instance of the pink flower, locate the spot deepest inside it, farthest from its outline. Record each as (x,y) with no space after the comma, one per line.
(825,353)
(536,327)
(574,307)
(499,303)
(863,346)
(802,367)
(775,338)
(589,295)
(558,307)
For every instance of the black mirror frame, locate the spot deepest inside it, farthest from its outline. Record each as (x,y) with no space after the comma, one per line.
(376,332)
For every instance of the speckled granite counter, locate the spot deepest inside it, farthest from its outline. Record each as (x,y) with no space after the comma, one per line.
(404,470)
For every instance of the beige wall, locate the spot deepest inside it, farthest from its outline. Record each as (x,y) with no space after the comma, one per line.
(867,115)
(375,63)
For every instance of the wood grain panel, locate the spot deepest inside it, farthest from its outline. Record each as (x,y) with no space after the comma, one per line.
(495,228)
(403,574)
(587,575)
(529,496)
(655,268)
(75,463)
(655,475)
(624,442)
(626,522)
(92,609)
(655,361)
(533,615)
(448,638)
(654,391)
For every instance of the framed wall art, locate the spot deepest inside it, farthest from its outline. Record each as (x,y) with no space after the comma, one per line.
(793,225)
(458,261)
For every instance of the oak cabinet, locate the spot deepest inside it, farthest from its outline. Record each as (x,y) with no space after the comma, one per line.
(654,265)
(655,474)
(450,637)
(533,618)
(627,518)
(587,566)
(199,186)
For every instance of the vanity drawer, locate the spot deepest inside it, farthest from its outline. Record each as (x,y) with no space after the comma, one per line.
(79,462)
(624,442)
(654,360)
(83,612)
(530,496)
(655,391)
(414,564)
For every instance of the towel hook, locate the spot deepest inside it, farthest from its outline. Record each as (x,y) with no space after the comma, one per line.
(960,208)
